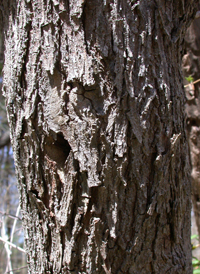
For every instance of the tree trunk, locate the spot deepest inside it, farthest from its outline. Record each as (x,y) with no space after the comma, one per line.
(96,110)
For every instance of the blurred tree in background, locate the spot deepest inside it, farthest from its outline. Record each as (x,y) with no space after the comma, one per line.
(12,259)
(191,71)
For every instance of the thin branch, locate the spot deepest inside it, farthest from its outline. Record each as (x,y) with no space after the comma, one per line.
(14,224)
(13,245)
(10,215)
(195,82)
(16,269)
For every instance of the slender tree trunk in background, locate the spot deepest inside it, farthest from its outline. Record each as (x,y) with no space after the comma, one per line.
(191,67)
(96,110)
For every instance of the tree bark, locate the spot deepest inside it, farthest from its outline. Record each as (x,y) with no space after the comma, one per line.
(96,111)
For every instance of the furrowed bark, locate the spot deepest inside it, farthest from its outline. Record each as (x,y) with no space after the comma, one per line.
(96,110)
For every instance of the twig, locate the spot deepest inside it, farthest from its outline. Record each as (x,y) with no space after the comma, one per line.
(11,216)
(196,246)
(195,82)
(14,224)
(13,245)
(16,269)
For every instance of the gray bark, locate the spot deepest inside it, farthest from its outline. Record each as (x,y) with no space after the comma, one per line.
(96,110)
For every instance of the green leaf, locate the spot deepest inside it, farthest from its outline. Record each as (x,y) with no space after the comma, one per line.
(195,263)
(195,246)
(194,258)
(190,79)
(195,236)
(196,271)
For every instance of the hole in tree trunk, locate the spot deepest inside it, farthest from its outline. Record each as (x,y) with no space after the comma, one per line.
(57,150)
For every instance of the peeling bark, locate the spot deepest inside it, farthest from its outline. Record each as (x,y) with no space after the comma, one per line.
(96,110)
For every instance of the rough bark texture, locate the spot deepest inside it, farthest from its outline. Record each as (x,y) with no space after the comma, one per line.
(96,109)
(191,67)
